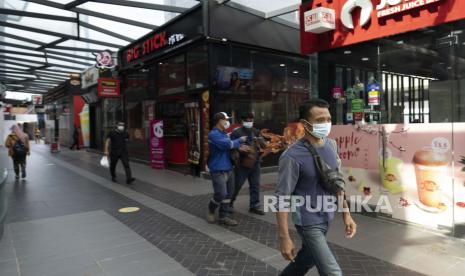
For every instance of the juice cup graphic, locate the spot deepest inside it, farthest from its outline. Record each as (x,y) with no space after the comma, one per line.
(85,127)
(431,169)
(390,174)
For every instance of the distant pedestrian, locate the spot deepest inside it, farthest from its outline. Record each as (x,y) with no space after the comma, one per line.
(248,165)
(116,148)
(18,148)
(220,166)
(76,135)
(37,135)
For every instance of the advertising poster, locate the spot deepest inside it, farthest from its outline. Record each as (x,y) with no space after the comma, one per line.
(108,88)
(373,94)
(357,105)
(85,125)
(234,78)
(410,165)
(337,92)
(157,145)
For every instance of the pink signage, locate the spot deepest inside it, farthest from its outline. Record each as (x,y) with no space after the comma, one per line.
(416,167)
(157,145)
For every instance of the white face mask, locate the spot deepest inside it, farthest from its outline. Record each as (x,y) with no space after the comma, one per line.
(248,124)
(120,128)
(226,124)
(319,130)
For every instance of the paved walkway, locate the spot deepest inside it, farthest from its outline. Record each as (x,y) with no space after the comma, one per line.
(64,220)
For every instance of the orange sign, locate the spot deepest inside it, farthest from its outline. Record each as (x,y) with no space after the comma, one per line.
(364,20)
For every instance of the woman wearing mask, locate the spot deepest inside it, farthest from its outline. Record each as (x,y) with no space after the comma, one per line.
(18,148)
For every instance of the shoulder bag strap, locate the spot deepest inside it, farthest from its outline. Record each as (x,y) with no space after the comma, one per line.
(316,156)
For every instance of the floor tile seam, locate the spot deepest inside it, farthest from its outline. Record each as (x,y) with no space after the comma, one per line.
(18,267)
(130,193)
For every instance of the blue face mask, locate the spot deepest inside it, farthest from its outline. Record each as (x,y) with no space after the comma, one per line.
(319,130)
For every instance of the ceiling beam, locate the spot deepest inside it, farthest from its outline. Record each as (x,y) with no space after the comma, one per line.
(55,71)
(115,18)
(22,53)
(36,30)
(53,43)
(98,42)
(5,58)
(51,52)
(64,74)
(105,31)
(74,4)
(70,60)
(76,49)
(25,39)
(47,3)
(17,46)
(15,63)
(166,8)
(38,15)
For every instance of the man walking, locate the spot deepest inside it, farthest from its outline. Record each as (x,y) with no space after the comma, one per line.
(115,147)
(248,165)
(299,176)
(220,166)
(76,135)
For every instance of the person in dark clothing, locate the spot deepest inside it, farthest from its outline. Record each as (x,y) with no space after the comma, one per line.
(248,165)
(115,148)
(220,166)
(76,135)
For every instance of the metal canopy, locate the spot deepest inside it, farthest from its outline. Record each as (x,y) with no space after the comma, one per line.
(281,11)
(43,41)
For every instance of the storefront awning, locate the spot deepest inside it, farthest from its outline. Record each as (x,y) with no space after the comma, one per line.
(43,41)
(281,11)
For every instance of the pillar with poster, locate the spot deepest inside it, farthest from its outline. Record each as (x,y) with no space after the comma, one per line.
(193,123)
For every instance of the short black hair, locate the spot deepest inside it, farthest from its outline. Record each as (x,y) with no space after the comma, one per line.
(305,107)
(217,117)
(246,116)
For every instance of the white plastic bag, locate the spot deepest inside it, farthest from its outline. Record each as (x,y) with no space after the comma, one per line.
(104,162)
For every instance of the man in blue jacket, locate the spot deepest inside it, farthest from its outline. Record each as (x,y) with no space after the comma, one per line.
(220,166)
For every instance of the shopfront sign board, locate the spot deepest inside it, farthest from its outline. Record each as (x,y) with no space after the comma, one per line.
(320,20)
(108,88)
(89,77)
(157,145)
(376,19)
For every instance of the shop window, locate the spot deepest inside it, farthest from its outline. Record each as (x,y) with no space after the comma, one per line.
(197,68)
(270,86)
(172,75)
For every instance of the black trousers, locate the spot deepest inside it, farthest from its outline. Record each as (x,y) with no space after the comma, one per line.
(19,163)
(75,144)
(114,157)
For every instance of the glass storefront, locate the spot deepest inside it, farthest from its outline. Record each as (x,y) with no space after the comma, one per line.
(139,94)
(271,86)
(399,115)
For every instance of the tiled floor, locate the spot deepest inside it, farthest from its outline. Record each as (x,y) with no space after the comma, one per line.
(76,206)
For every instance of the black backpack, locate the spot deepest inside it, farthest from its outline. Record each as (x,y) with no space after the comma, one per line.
(19,149)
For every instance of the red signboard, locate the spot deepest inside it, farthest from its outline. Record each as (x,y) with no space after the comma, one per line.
(108,88)
(157,145)
(364,20)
